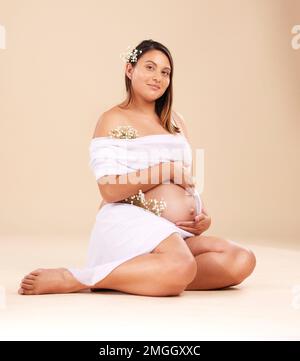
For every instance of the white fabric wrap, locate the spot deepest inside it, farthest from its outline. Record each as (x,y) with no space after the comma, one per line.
(114,156)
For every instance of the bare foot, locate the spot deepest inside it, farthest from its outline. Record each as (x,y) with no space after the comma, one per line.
(53,280)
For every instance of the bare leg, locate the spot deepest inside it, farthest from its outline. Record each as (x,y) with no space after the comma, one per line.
(153,273)
(220,262)
(150,274)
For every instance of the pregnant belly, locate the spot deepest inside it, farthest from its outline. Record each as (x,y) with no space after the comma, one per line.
(180,205)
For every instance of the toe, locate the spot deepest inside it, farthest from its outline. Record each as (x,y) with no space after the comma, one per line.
(23,291)
(29,277)
(36,272)
(28,281)
(25,286)
(28,292)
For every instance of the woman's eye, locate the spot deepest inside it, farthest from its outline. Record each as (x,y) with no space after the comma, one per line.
(151,67)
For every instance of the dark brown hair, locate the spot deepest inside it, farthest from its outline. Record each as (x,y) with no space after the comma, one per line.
(163,105)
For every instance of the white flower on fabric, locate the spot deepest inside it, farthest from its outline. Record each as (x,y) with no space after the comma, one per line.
(123,132)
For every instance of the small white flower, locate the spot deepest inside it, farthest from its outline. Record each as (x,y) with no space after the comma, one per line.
(123,132)
(130,55)
(139,200)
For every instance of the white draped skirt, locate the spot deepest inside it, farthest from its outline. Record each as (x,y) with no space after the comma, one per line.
(122,231)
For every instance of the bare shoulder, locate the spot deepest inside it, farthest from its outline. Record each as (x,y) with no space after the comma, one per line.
(107,121)
(181,123)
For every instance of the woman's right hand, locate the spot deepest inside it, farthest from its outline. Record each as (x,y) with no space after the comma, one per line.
(181,175)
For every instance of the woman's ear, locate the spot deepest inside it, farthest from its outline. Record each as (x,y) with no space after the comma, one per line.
(128,70)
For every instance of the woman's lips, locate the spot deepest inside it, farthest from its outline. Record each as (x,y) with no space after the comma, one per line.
(153,87)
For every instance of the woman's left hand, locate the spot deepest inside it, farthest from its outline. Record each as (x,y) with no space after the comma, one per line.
(200,224)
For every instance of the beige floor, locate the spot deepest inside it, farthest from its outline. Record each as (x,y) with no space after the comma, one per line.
(265,307)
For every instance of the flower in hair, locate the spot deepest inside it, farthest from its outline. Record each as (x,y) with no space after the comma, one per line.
(130,55)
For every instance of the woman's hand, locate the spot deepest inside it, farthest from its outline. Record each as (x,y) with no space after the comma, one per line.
(200,224)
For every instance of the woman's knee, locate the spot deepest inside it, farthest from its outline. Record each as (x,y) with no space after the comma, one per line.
(178,262)
(243,262)
(181,270)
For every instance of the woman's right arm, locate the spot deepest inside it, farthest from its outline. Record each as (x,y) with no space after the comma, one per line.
(114,188)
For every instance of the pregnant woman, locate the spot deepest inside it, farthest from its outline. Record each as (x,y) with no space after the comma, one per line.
(147,237)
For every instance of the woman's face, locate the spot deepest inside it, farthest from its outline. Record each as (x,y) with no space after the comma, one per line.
(152,68)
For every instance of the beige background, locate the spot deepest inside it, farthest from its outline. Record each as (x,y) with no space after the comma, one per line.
(236,82)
